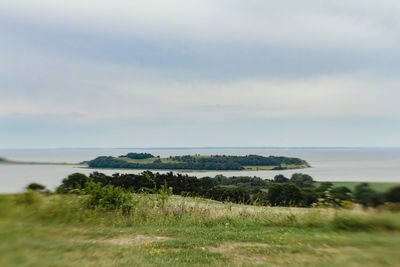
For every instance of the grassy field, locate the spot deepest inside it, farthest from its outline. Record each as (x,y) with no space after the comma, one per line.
(286,166)
(149,160)
(379,187)
(57,231)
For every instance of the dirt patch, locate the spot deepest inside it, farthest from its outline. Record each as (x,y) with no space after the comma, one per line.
(135,240)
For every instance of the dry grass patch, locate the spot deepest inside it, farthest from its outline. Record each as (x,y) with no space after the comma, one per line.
(239,252)
(254,253)
(136,240)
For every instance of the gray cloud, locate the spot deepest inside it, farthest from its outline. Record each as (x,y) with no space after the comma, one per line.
(175,61)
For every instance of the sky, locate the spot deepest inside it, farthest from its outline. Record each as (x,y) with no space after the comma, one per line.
(191,73)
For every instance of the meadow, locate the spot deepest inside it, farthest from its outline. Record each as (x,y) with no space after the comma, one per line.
(377,186)
(60,230)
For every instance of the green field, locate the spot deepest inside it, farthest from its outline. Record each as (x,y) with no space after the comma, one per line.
(268,168)
(377,186)
(57,231)
(148,160)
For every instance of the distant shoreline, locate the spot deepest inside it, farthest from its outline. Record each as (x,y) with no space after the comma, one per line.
(13,162)
(204,148)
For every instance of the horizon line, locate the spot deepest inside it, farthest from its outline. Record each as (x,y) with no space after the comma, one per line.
(203,147)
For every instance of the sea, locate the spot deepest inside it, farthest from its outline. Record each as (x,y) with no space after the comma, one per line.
(327,164)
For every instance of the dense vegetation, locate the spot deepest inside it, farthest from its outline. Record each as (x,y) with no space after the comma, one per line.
(138,156)
(215,162)
(298,190)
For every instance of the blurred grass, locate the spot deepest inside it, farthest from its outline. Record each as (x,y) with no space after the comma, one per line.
(56,231)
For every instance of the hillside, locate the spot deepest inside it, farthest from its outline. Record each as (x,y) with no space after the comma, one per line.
(58,230)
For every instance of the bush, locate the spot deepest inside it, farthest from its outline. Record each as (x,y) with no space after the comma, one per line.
(107,198)
(309,196)
(285,195)
(230,193)
(346,204)
(393,195)
(73,181)
(280,179)
(302,180)
(261,199)
(36,187)
(366,196)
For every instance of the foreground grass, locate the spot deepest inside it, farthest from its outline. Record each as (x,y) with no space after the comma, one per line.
(56,231)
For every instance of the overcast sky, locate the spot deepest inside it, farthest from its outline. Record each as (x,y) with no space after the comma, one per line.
(174,73)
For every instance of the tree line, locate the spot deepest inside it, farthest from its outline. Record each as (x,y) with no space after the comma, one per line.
(298,190)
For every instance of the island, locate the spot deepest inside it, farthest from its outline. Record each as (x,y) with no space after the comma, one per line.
(197,162)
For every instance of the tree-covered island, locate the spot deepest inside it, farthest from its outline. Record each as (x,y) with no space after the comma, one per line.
(197,162)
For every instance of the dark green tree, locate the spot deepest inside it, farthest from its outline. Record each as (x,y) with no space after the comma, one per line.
(393,195)
(302,180)
(36,187)
(73,181)
(285,195)
(366,196)
(280,179)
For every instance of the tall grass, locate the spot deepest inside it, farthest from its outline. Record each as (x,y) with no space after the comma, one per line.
(146,209)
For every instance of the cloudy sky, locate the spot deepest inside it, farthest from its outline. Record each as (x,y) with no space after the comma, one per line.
(174,73)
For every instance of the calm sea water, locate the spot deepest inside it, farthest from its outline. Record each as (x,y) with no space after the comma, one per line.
(333,164)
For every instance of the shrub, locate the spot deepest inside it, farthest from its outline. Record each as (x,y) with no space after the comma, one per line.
(393,195)
(261,199)
(163,194)
(107,198)
(73,181)
(36,187)
(366,196)
(302,180)
(346,204)
(280,179)
(309,196)
(284,195)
